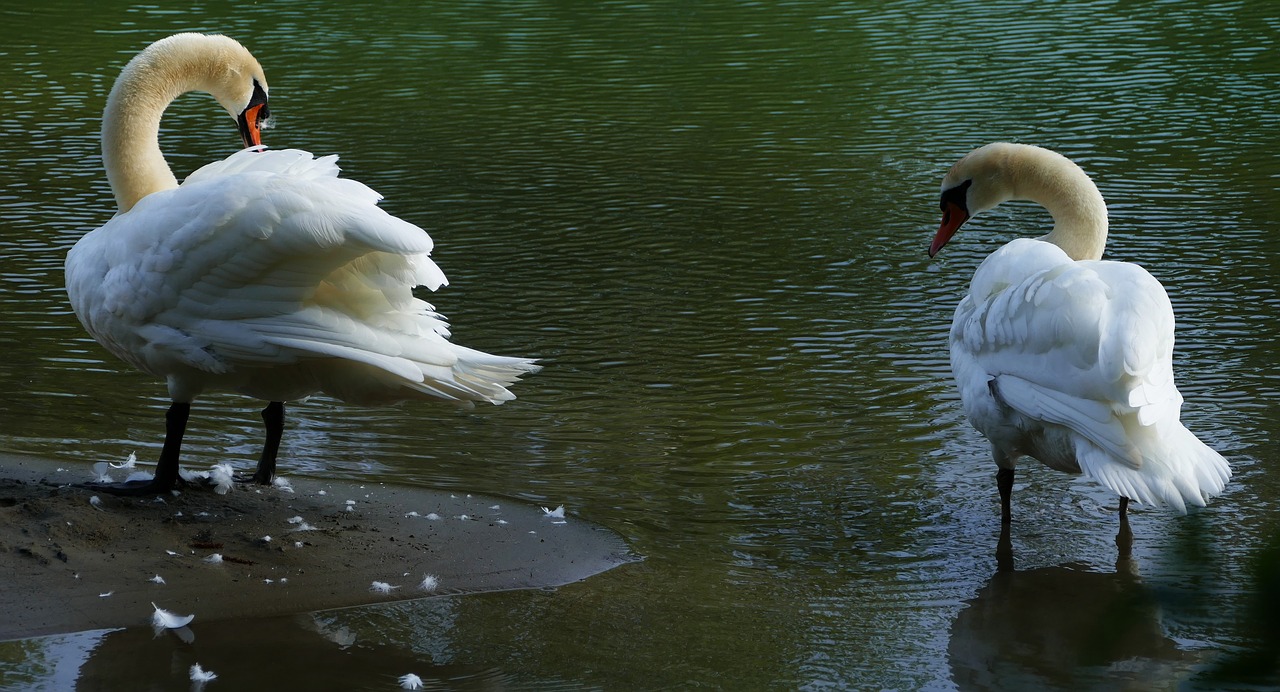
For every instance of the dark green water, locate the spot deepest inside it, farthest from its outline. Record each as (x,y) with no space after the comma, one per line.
(709,220)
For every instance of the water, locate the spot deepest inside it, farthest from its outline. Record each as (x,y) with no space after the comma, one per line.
(709,221)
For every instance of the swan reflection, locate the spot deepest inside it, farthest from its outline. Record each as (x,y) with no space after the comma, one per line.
(1065,626)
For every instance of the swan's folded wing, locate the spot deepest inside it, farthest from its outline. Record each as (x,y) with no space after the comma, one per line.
(261,258)
(1086,345)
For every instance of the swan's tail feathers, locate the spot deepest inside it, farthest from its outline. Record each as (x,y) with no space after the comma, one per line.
(1187,472)
(475,376)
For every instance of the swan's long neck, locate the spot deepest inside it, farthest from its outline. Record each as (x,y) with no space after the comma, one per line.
(1078,210)
(131,133)
(151,81)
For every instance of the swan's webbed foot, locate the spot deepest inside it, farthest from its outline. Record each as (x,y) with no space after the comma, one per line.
(251,479)
(166,478)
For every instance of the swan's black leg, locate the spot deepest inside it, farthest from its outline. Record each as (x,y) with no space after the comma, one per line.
(273,417)
(167,469)
(1004,481)
(175,426)
(1124,509)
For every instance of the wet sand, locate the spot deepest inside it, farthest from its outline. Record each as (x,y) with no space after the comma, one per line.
(69,565)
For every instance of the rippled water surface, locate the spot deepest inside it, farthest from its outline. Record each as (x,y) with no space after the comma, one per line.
(709,220)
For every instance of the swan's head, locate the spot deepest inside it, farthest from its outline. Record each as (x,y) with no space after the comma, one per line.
(214,64)
(977,182)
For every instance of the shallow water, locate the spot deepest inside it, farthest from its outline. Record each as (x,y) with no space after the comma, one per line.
(710,224)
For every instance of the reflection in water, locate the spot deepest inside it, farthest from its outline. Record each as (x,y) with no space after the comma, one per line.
(324,652)
(1064,627)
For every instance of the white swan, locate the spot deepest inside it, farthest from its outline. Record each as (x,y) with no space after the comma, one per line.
(1061,356)
(264,273)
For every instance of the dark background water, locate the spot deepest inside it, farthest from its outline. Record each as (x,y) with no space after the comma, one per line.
(709,220)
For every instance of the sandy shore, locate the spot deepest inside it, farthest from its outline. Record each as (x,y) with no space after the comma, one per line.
(69,565)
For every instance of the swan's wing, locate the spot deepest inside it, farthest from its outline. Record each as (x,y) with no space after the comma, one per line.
(266,258)
(1086,345)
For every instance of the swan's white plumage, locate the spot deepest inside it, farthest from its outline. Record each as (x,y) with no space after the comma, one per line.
(265,273)
(1071,362)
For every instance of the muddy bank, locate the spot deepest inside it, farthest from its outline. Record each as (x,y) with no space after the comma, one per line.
(69,564)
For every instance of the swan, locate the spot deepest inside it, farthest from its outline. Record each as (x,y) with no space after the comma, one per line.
(264,273)
(1062,356)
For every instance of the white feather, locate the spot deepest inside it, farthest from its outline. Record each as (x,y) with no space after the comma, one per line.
(163,619)
(557,513)
(129,463)
(102,473)
(409,681)
(223,478)
(200,675)
(382,587)
(215,559)
(429,582)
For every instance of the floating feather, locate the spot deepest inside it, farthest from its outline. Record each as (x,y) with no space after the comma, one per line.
(557,513)
(201,676)
(409,681)
(214,559)
(429,583)
(381,587)
(163,619)
(157,579)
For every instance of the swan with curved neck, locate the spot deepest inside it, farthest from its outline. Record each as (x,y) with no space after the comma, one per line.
(1002,172)
(264,273)
(1064,357)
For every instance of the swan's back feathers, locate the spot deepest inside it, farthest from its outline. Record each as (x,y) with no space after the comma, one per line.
(269,259)
(1088,346)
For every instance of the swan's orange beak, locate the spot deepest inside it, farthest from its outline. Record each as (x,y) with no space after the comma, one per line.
(254,116)
(251,125)
(953,217)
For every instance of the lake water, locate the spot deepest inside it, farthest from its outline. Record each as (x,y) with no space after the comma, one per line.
(709,220)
